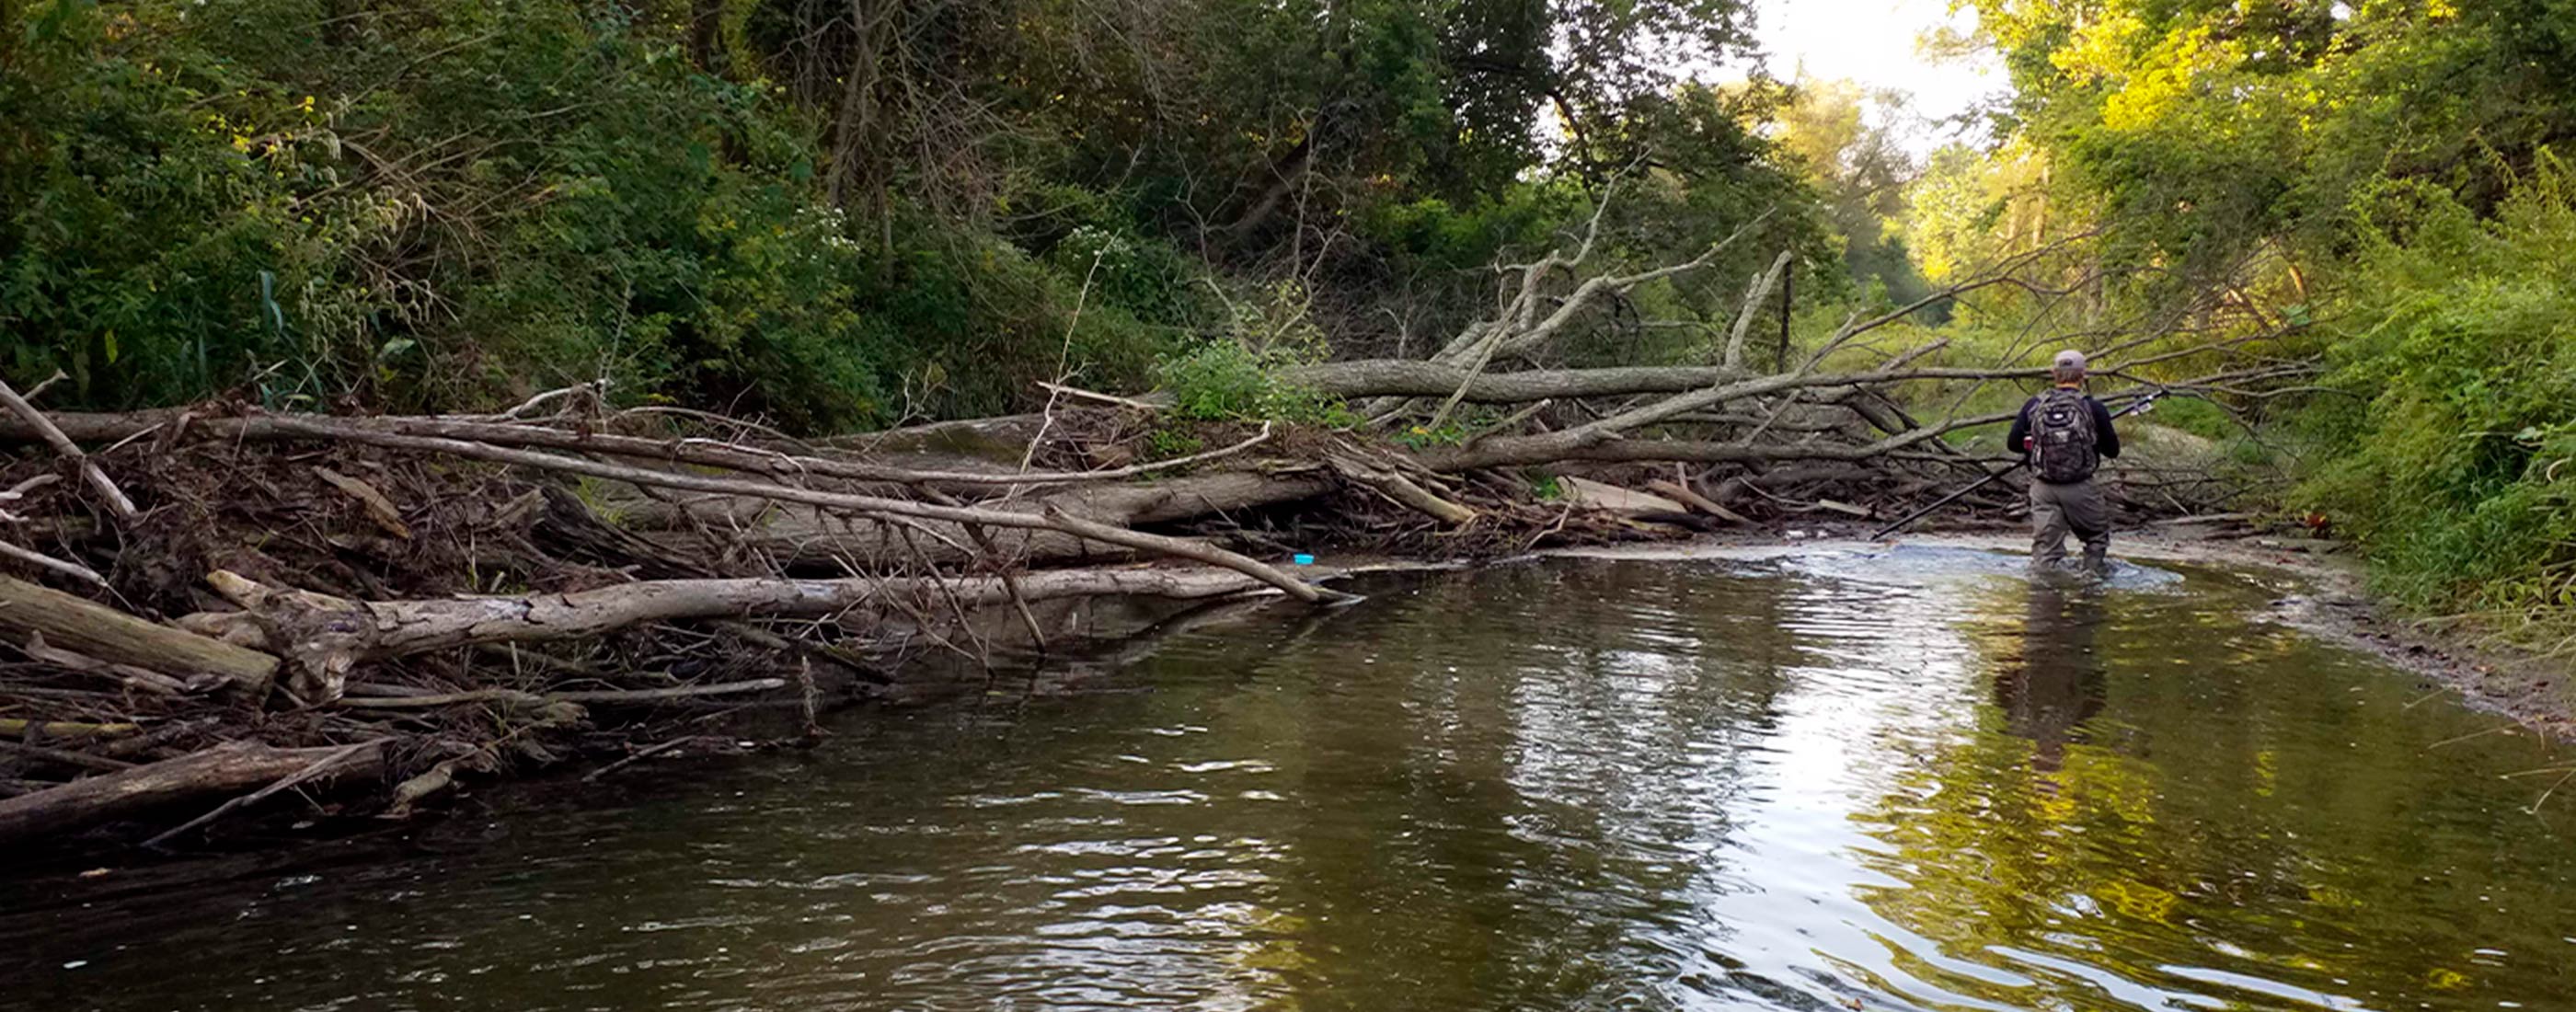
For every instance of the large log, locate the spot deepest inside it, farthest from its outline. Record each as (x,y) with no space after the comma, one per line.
(224,769)
(107,634)
(384,629)
(1411,378)
(961,469)
(799,532)
(879,507)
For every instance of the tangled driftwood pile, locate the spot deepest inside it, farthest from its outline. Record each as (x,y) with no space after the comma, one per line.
(217,605)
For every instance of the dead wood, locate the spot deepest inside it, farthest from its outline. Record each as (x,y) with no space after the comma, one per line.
(795,532)
(542,701)
(345,754)
(20,727)
(1762,285)
(71,451)
(60,756)
(388,629)
(1400,489)
(116,637)
(1411,378)
(223,769)
(476,616)
(1696,501)
(642,754)
(71,569)
(866,505)
(699,452)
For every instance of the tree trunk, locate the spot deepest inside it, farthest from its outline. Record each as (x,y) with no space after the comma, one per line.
(1408,378)
(386,629)
(223,769)
(107,634)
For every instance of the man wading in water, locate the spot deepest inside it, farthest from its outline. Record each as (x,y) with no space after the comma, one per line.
(2067,435)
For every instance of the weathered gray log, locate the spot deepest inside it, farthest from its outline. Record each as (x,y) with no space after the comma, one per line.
(63,444)
(382,629)
(1401,489)
(341,756)
(794,531)
(1697,502)
(110,635)
(880,507)
(1744,487)
(700,452)
(534,700)
(1549,449)
(1410,378)
(223,769)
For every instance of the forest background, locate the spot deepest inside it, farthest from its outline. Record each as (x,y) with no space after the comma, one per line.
(849,215)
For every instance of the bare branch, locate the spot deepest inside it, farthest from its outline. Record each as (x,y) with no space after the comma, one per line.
(1753,297)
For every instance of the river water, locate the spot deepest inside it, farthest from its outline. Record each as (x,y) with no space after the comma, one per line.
(1896,780)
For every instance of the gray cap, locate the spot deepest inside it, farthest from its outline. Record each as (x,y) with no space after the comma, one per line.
(2070,359)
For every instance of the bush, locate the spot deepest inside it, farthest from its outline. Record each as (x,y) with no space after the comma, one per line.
(1236,376)
(1221,380)
(444,206)
(2453,455)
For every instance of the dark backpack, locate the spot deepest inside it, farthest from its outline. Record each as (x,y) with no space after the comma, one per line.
(2062,440)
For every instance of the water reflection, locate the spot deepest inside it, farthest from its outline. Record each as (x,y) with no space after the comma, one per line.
(2055,683)
(1908,781)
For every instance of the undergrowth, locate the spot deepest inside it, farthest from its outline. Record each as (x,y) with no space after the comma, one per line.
(2450,452)
(451,205)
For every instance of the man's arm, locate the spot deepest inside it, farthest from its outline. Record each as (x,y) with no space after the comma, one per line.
(2106,440)
(2017,439)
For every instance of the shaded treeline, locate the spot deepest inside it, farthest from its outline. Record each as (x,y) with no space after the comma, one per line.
(830,214)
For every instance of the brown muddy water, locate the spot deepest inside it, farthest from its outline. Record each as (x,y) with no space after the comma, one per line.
(1907,779)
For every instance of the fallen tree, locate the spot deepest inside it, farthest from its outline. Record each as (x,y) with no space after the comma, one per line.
(219,770)
(383,630)
(77,626)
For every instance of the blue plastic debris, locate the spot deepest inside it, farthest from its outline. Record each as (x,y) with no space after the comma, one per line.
(1303,559)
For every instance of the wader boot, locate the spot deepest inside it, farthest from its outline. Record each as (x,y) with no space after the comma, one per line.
(2077,506)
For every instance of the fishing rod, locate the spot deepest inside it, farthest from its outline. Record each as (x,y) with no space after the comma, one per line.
(2140,407)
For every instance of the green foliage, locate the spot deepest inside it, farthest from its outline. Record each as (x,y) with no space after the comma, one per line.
(1860,172)
(1146,277)
(1173,441)
(2204,129)
(753,206)
(2451,458)
(2198,417)
(978,323)
(452,205)
(1448,433)
(2372,176)
(1223,380)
